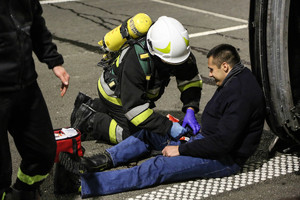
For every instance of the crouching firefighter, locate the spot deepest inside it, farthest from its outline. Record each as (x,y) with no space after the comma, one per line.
(135,78)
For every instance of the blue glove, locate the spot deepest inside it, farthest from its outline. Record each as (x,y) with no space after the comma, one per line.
(177,131)
(190,119)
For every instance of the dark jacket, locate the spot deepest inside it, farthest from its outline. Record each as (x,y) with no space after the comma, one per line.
(232,121)
(137,97)
(23,31)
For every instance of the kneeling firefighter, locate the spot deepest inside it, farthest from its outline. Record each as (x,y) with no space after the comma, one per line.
(136,78)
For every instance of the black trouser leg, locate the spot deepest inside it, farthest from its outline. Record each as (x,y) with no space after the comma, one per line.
(32,131)
(5,156)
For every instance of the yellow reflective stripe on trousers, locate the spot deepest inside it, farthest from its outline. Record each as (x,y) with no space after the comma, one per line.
(142,117)
(112,132)
(113,100)
(30,179)
(3,196)
(189,85)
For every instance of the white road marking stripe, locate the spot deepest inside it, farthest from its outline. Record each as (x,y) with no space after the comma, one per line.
(233,28)
(250,174)
(202,11)
(189,8)
(56,1)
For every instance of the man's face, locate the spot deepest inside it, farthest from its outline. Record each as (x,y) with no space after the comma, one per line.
(219,74)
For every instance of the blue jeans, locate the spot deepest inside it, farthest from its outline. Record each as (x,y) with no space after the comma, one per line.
(154,171)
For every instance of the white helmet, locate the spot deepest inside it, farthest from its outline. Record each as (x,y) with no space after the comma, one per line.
(169,40)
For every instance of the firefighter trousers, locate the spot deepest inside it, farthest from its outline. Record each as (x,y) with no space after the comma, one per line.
(25,116)
(109,122)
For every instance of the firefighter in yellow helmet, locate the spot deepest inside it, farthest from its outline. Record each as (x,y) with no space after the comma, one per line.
(129,86)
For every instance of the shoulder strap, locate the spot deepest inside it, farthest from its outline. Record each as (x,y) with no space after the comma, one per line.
(144,57)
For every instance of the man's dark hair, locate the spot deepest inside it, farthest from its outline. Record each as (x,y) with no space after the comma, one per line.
(224,53)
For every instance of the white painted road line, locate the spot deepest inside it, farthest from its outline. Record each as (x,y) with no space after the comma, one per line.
(201,11)
(188,8)
(250,174)
(233,28)
(55,1)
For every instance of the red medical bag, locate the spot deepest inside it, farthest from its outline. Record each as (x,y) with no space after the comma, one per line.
(68,140)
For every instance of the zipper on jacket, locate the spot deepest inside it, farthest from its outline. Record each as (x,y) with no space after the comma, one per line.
(20,44)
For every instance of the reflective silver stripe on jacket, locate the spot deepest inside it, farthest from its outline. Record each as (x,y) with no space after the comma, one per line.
(136,111)
(106,88)
(119,133)
(182,83)
(122,55)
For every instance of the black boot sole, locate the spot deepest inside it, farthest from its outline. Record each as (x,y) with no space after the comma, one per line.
(80,99)
(71,163)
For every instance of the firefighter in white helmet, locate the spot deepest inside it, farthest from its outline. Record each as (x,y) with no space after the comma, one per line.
(169,40)
(135,79)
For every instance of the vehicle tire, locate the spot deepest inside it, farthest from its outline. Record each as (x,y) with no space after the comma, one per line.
(274,42)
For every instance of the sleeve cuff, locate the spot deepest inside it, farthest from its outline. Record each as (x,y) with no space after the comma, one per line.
(57,62)
(193,105)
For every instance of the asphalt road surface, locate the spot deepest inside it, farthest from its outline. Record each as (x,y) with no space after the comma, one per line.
(77,26)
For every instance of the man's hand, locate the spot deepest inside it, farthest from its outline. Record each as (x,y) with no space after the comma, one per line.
(171,151)
(62,74)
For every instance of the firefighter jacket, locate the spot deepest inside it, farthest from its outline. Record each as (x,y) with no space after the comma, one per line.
(232,121)
(23,30)
(140,80)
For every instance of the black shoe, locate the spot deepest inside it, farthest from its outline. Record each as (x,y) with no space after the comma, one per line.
(79,165)
(14,194)
(70,162)
(65,182)
(82,117)
(80,99)
(98,162)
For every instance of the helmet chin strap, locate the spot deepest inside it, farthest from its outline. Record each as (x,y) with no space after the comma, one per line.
(150,44)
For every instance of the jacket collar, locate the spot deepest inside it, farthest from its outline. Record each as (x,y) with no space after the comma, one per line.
(237,68)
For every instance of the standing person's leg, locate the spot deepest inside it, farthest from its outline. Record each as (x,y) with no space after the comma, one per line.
(32,131)
(5,156)
(153,172)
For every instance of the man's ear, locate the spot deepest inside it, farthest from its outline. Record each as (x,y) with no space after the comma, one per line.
(226,67)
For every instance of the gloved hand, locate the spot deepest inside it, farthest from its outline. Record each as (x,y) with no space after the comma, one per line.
(190,119)
(177,131)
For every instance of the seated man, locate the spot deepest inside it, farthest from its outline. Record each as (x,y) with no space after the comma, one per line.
(232,124)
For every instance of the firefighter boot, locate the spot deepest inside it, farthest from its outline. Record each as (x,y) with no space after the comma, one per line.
(84,118)
(80,99)
(14,194)
(78,165)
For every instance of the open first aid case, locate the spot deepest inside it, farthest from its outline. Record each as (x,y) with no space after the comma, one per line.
(68,140)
